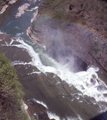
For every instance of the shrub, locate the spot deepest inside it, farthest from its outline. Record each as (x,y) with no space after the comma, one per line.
(95,47)
(10,92)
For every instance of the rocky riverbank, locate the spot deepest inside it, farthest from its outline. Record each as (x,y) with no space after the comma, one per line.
(4,4)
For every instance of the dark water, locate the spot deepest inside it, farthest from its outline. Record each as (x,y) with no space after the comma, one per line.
(64,101)
(10,24)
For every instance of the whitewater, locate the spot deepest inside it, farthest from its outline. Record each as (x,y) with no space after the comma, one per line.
(86,82)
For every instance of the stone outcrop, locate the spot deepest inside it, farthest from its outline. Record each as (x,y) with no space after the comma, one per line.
(4,4)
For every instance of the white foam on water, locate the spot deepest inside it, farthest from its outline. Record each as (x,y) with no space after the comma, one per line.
(58,83)
(83,82)
(53,115)
(56,117)
(87,82)
(36,72)
(32,9)
(40,102)
(20,63)
(36,115)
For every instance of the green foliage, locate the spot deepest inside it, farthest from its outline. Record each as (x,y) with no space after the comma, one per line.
(59,14)
(95,47)
(10,92)
(90,13)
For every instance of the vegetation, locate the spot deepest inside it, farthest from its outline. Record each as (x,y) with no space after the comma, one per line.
(89,13)
(95,47)
(10,92)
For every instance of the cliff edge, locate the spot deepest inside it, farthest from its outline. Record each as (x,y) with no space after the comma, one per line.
(77,25)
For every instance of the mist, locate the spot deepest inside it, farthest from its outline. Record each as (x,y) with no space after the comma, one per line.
(60,42)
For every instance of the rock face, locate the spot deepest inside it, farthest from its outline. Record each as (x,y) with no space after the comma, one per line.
(57,32)
(85,12)
(56,27)
(46,87)
(13,54)
(4,4)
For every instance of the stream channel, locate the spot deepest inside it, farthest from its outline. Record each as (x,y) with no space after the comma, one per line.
(66,95)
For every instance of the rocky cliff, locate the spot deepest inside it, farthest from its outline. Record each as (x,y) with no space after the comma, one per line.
(75,25)
(91,14)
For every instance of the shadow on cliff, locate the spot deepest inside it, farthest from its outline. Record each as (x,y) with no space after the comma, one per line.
(102,116)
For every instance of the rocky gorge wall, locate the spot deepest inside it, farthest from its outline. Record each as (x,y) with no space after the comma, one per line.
(60,36)
(69,23)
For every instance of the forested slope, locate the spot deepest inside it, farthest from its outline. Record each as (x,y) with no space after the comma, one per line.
(10,92)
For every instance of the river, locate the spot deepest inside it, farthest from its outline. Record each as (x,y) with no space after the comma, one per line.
(67,95)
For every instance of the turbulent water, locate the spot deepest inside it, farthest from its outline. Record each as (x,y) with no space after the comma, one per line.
(82,92)
(87,82)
